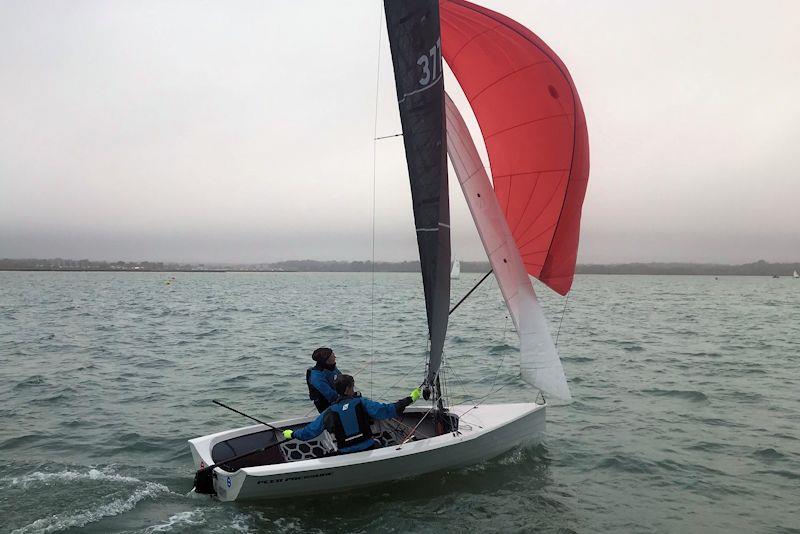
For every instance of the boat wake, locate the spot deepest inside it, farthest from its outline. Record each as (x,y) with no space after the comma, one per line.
(38,477)
(182,520)
(80,518)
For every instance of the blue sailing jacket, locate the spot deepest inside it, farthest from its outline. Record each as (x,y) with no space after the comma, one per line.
(348,420)
(320,383)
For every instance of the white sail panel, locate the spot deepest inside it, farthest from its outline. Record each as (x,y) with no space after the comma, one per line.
(539,362)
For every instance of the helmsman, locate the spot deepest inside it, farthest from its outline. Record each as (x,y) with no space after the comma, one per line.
(348,419)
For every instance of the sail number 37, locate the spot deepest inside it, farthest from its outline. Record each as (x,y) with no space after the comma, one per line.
(431,63)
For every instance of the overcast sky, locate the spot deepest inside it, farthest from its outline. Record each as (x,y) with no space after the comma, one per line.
(242,131)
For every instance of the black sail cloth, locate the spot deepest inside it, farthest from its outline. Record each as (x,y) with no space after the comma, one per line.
(415,40)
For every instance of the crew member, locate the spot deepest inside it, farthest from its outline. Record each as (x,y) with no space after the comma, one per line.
(321,377)
(348,419)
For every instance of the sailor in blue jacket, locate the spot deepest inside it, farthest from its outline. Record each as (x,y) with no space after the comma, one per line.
(321,377)
(348,419)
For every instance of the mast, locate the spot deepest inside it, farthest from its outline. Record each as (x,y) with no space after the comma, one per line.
(415,41)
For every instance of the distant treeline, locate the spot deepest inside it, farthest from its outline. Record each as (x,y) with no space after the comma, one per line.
(759,268)
(366,266)
(60,264)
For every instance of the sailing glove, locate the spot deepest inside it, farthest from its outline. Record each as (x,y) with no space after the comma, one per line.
(415,395)
(288,433)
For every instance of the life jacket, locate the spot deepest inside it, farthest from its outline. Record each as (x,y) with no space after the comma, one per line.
(313,393)
(350,422)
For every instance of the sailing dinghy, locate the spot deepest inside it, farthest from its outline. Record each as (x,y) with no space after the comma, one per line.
(528,219)
(455,272)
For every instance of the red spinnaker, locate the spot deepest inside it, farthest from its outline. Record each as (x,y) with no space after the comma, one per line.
(534,129)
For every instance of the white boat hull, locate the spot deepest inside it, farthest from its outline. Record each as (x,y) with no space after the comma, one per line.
(484,433)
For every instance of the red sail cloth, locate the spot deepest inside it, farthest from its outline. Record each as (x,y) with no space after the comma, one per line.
(534,129)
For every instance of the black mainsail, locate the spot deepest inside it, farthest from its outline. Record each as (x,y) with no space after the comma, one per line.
(415,40)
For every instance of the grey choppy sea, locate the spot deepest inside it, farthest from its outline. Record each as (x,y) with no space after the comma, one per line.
(686,415)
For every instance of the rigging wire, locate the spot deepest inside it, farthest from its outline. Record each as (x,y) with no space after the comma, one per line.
(470,291)
(480,400)
(406,425)
(562,318)
(445,393)
(374,181)
(388,389)
(388,136)
(492,391)
(497,371)
(410,434)
(467,394)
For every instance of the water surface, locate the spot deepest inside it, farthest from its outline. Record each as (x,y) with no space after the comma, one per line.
(686,414)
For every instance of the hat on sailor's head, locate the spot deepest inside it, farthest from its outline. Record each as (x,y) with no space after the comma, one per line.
(321,354)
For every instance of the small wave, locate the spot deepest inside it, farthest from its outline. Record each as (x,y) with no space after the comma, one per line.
(708,446)
(155,363)
(135,443)
(35,380)
(190,518)
(74,423)
(685,332)
(86,367)
(82,518)
(704,354)
(754,372)
(781,473)
(236,379)
(208,333)
(745,396)
(500,349)
(694,396)
(718,422)
(632,347)
(20,441)
(578,359)
(625,463)
(328,328)
(57,398)
(768,454)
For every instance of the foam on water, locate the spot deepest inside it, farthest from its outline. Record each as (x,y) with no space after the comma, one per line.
(241,523)
(189,518)
(38,477)
(82,518)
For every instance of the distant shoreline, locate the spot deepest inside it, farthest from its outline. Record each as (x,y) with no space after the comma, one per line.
(759,268)
(221,271)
